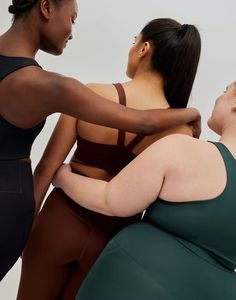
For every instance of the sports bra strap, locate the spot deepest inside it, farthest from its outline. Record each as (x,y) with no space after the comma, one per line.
(122,101)
(121,93)
(229,160)
(134,142)
(121,134)
(10,64)
(225,153)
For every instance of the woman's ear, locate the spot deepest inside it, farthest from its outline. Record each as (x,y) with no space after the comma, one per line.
(144,49)
(46,8)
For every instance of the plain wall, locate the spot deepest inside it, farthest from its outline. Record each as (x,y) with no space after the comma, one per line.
(103,35)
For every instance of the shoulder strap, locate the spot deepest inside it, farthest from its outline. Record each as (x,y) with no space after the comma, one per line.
(134,142)
(10,64)
(226,154)
(121,93)
(121,135)
(122,100)
(229,160)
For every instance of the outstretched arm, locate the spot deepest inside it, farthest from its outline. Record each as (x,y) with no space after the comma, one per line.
(95,109)
(128,193)
(55,93)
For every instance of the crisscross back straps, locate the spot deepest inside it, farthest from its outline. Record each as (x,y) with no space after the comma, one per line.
(134,142)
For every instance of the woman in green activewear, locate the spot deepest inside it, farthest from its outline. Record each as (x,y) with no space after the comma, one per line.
(185,246)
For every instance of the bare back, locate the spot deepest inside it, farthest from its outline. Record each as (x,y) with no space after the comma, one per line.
(136,97)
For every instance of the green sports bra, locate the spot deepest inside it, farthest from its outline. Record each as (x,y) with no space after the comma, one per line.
(208,225)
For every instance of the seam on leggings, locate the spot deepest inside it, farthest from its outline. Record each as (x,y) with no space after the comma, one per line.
(178,239)
(153,279)
(203,258)
(85,245)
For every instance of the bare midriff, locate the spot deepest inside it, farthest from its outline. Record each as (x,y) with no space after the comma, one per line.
(89,170)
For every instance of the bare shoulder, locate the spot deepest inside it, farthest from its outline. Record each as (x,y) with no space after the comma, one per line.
(49,82)
(106,90)
(34,77)
(177,145)
(175,152)
(42,91)
(100,87)
(177,139)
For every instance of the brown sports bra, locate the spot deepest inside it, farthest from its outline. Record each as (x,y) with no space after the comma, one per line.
(111,158)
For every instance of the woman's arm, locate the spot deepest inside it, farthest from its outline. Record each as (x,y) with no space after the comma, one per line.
(55,93)
(58,147)
(129,192)
(95,109)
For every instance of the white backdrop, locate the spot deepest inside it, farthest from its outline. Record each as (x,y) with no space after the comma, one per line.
(98,53)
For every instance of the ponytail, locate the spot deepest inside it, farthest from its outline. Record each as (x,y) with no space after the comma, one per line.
(182,74)
(175,56)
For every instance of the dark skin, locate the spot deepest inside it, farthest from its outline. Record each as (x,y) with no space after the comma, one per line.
(49,27)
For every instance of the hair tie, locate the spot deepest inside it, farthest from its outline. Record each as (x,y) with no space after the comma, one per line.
(183,29)
(19,6)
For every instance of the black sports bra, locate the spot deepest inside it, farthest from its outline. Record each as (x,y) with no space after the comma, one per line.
(111,158)
(15,142)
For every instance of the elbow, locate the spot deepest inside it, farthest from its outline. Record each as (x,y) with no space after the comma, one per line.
(39,171)
(147,129)
(115,208)
(42,171)
(147,126)
(108,202)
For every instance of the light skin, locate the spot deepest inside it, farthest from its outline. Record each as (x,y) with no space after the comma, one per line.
(176,168)
(145,90)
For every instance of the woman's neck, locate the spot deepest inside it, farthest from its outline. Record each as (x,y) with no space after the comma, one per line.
(152,82)
(148,88)
(228,137)
(19,40)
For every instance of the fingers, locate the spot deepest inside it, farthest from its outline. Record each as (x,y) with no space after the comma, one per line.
(196,128)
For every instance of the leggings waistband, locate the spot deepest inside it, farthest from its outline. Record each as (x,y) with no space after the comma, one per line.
(25,159)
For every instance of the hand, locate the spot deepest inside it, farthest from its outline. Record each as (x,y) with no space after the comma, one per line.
(195,124)
(196,128)
(61,172)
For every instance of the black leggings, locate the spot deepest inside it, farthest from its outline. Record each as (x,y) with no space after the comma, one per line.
(16,211)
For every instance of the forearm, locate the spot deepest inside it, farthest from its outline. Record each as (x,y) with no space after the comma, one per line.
(43,176)
(88,192)
(164,119)
(125,195)
(41,184)
(75,99)
(57,149)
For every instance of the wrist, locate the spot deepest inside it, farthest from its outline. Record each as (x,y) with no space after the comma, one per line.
(194,114)
(57,180)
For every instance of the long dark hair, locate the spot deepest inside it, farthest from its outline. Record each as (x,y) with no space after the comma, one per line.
(176,55)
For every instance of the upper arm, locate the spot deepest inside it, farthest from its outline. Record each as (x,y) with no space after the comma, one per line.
(92,107)
(42,93)
(143,180)
(139,183)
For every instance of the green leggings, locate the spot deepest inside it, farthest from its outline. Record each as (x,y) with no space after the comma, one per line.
(142,262)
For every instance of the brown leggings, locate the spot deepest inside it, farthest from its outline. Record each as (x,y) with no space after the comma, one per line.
(65,241)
